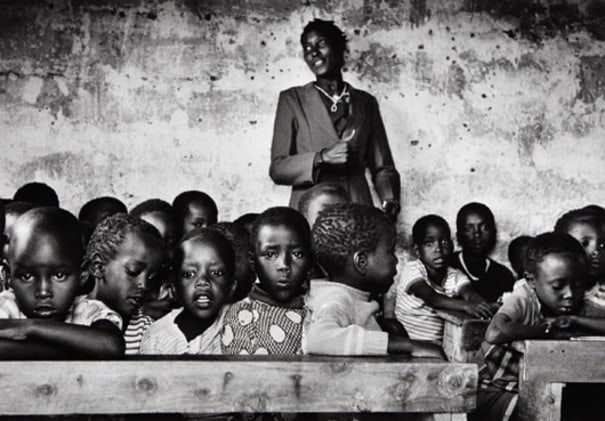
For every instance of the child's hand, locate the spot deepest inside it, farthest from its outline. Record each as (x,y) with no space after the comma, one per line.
(481,310)
(426,350)
(15,329)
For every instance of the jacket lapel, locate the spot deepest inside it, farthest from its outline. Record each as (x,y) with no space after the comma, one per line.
(357,111)
(318,117)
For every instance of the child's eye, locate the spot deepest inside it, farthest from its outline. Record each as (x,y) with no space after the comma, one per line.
(217,273)
(188,274)
(429,243)
(26,277)
(298,254)
(60,276)
(270,254)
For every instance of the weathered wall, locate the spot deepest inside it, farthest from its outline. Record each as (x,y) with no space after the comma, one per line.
(500,102)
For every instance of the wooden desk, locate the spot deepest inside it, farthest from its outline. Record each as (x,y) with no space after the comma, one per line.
(228,384)
(547,365)
(462,336)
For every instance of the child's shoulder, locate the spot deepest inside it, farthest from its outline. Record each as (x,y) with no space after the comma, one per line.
(9,309)
(323,292)
(86,311)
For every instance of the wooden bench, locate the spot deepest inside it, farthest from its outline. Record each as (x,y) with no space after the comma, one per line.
(227,384)
(462,336)
(545,368)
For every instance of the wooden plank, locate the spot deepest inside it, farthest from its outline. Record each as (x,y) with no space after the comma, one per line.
(462,336)
(453,316)
(227,384)
(547,365)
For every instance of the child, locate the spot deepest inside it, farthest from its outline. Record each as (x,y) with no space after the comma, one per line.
(161,215)
(123,259)
(429,283)
(240,241)
(356,245)
(585,225)
(517,250)
(476,234)
(270,319)
(12,211)
(205,264)
(39,194)
(247,220)
(195,209)
(95,210)
(318,197)
(45,254)
(537,309)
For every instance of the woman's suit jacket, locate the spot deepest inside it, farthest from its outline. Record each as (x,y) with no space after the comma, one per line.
(303,128)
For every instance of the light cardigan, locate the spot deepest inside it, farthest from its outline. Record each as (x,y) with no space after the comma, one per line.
(342,321)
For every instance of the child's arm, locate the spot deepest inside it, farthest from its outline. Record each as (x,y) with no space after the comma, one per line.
(101,340)
(502,329)
(421,290)
(590,324)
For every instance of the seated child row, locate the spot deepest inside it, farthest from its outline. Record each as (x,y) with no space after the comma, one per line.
(315,290)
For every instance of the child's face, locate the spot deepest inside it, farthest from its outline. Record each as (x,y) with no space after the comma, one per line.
(197,216)
(382,262)
(282,261)
(558,283)
(588,236)
(128,276)
(436,247)
(319,203)
(477,235)
(166,226)
(45,275)
(203,284)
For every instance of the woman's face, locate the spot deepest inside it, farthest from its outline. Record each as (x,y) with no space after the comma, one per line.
(322,58)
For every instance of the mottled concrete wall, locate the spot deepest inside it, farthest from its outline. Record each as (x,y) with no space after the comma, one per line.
(500,102)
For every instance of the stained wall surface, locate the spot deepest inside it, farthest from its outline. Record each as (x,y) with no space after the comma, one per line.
(483,100)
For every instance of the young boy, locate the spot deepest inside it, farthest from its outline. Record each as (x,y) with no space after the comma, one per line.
(195,209)
(41,316)
(205,264)
(476,234)
(428,283)
(517,252)
(356,246)
(318,197)
(95,210)
(270,319)
(539,308)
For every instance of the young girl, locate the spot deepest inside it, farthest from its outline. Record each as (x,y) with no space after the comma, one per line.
(476,234)
(429,283)
(123,259)
(270,319)
(205,265)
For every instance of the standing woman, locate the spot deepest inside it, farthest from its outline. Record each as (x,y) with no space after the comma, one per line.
(328,131)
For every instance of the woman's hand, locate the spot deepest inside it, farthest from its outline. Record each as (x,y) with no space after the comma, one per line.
(340,152)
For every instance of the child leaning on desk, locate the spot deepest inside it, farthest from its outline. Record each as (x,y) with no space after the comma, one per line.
(548,304)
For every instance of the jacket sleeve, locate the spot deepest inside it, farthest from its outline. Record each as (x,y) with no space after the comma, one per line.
(331,332)
(288,166)
(379,159)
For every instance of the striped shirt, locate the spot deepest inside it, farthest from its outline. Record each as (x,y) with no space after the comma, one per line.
(419,319)
(164,337)
(134,332)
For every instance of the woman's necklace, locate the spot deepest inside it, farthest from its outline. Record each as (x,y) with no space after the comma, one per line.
(468,272)
(335,98)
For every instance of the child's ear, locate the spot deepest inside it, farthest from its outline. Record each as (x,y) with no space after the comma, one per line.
(97,266)
(233,288)
(251,261)
(530,279)
(416,250)
(360,262)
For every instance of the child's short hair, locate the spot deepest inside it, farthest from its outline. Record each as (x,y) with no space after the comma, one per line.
(588,215)
(421,225)
(90,210)
(216,239)
(54,221)
(281,215)
(183,200)
(321,189)
(514,248)
(236,234)
(343,229)
(111,232)
(152,205)
(40,194)
(18,208)
(247,220)
(553,242)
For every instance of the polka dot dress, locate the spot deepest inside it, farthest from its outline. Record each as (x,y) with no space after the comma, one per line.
(253,327)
